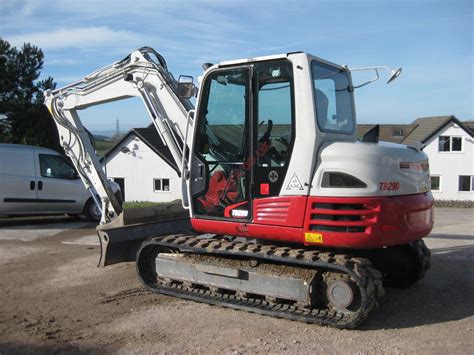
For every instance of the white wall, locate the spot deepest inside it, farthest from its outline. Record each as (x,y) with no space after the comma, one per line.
(139,167)
(449,165)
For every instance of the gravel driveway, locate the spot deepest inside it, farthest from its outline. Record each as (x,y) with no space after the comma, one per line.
(55,299)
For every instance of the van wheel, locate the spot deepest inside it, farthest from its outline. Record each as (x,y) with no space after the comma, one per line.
(92,212)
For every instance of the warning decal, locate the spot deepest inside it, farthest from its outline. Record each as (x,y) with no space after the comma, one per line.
(295,183)
(313,237)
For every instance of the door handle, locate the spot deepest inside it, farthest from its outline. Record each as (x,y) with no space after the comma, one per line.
(201,169)
(40,185)
(32,185)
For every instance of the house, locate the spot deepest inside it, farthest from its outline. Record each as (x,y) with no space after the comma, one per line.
(449,144)
(143,167)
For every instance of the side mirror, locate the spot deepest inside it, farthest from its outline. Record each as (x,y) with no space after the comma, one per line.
(394,74)
(186,87)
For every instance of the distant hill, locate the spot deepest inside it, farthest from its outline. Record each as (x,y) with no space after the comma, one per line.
(103,146)
(100,137)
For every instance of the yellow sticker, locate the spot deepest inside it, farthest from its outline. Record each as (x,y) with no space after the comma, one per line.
(313,237)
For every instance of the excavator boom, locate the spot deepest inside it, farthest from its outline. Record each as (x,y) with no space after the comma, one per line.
(142,74)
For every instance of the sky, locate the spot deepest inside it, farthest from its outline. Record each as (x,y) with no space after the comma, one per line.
(431,40)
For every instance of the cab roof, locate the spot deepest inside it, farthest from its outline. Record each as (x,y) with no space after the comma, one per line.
(274,57)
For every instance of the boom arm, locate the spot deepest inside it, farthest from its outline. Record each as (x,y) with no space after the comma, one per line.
(138,75)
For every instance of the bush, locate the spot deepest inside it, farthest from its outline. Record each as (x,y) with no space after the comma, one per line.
(139,204)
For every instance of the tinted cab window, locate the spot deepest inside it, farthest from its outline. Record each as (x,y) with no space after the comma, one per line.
(333,94)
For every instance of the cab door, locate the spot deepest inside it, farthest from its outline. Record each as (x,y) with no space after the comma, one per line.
(220,167)
(274,126)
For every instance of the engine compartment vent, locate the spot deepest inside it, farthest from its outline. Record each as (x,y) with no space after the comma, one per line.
(342,217)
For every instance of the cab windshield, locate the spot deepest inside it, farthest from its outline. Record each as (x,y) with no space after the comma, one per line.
(334,99)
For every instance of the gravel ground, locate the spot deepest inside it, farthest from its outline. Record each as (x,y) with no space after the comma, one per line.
(55,300)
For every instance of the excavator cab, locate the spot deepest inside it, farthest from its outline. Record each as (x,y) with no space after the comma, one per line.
(245,123)
(245,130)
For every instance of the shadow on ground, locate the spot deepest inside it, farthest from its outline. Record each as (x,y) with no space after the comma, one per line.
(21,348)
(38,220)
(445,294)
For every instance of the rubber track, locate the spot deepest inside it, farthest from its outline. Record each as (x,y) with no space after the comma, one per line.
(424,258)
(368,279)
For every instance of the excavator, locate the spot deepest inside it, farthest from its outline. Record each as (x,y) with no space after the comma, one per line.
(286,213)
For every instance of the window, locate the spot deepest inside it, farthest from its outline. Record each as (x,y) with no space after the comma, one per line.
(55,166)
(397,132)
(223,134)
(466,183)
(334,99)
(161,184)
(449,144)
(456,144)
(275,112)
(435,183)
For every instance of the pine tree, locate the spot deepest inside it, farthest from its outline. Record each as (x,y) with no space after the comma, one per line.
(23,117)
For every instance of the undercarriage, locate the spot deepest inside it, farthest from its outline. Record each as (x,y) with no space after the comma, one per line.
(327,286)
(305,285)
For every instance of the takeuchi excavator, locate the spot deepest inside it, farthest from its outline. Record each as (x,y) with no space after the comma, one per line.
(289,215)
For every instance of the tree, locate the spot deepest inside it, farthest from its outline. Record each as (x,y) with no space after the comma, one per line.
(23,117)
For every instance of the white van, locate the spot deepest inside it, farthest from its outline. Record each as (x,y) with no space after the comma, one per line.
(35,180)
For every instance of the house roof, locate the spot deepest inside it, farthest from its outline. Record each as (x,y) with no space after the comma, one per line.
(395,133)
(150,137)
(427,127)
(469,125)
(421,130)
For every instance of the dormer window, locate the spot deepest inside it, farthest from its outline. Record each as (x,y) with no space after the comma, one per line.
(397,132)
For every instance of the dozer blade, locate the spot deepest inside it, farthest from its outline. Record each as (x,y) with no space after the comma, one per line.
(121,238)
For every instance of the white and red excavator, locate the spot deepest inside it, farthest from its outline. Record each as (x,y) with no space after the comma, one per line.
(289,215)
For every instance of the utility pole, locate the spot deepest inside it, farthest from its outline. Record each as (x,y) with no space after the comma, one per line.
(116,136)
(117,127)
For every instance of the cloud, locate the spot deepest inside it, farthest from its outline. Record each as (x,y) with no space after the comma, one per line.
(79,37)
(63,61)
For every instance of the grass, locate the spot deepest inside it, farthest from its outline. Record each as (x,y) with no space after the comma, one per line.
(140,204)
(102,147)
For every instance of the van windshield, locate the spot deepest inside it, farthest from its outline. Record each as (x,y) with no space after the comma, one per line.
(334,98)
